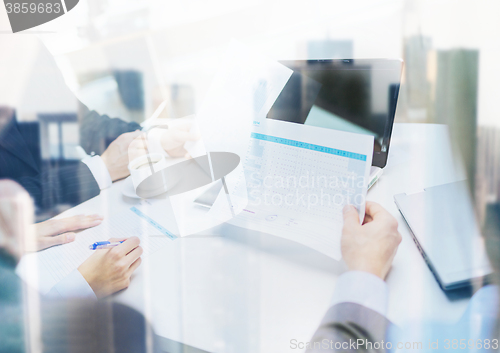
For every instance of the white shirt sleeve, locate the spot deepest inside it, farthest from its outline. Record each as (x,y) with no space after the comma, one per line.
(72,286)
(99,171)
(362,288)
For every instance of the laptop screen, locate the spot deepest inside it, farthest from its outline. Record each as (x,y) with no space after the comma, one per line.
(350,95)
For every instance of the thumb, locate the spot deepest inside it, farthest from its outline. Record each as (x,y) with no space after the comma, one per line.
(47,242)
(351,217)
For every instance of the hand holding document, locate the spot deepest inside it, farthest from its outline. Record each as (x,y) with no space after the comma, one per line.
(294,179)
(298,179)
(108,271)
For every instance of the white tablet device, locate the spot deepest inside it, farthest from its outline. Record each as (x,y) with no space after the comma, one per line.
(444,228)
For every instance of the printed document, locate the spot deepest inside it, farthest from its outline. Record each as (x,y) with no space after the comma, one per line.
(298,178)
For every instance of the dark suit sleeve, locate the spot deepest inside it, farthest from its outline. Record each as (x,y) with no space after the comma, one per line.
(98,131)
(69,184)
(349,327)
(76,325)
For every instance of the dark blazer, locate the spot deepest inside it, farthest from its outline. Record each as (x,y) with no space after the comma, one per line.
(68,325)
(54,183)
(346,323)
(11,310)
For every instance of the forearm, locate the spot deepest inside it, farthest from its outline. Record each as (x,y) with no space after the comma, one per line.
(356,316)
(72,286)
(99,171)
(70,184)
(98,131)
(349,327)
(362,288)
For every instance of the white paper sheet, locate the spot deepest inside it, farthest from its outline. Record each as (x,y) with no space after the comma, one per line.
(298,179)
(185,217)
(55,263)
(245,87)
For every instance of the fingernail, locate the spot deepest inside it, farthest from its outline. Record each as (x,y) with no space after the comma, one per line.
(96,222)
(70,237)
(97,216)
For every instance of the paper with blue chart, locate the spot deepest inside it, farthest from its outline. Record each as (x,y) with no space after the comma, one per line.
(292,180)
(298,179)
(234,119)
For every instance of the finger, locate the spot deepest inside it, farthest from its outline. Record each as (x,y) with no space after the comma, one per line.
(367,218)
(351,217)
(177,152)
(139,139)
(114,240)
(128,137)
(133,134)
(138,145)
(63,225)
(134,266)
(48,241)
(136,152)
(185,126)
(127,246)
(137,148)
(133,255)
(181,135)
(374,210)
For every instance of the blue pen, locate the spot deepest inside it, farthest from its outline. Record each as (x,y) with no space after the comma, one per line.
(104,245)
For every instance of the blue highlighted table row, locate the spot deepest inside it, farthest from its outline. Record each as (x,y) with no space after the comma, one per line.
(308,146)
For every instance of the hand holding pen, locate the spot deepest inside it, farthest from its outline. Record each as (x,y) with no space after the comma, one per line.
(109,271)
(104,245)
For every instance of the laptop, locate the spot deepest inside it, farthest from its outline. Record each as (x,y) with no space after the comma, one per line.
(353,95)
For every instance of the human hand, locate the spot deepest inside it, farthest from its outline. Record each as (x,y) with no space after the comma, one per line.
(173,139)
(126,147)
(108,270)
(60,231)
(370,247)
(16,214)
